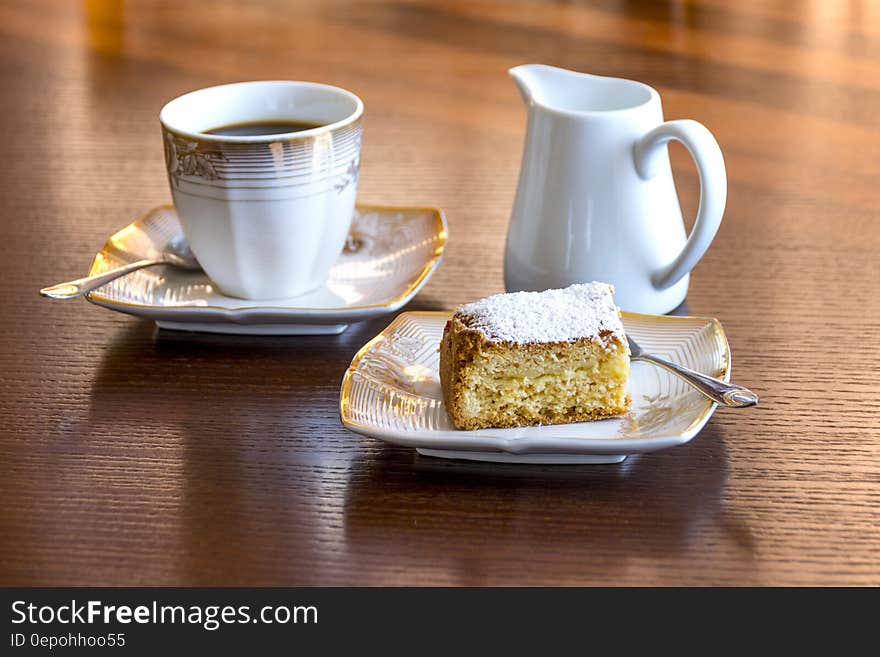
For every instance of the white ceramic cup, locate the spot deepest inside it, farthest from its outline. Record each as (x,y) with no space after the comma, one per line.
(267,215)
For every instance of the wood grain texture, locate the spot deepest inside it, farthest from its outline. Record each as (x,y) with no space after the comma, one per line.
(129,456)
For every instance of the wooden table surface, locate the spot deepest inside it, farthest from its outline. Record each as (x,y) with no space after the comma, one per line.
(130,456)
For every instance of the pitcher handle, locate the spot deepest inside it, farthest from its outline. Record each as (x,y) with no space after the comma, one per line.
(649,152)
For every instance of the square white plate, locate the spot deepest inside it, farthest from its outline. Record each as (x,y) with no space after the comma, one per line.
(391,391)
(390,254)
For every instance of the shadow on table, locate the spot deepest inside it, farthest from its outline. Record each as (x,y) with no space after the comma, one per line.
(476,523)
(195,380)
(220,450)
(141,355)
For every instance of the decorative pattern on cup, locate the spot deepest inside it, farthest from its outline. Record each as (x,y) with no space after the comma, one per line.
(294,167)
(185,157)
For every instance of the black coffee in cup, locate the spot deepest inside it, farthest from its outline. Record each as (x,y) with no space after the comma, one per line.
(258,128)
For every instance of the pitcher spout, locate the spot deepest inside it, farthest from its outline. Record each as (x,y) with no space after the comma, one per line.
(526,79)
(572,92)
(532,81)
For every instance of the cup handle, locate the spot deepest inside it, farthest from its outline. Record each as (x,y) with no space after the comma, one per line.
(649,152)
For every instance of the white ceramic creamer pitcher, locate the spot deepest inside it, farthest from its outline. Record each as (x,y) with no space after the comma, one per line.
(596,200)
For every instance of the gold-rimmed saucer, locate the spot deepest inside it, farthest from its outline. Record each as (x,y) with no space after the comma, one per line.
(390,254)
(391,391)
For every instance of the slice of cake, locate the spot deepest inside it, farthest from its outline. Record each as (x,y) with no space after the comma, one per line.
(524,358)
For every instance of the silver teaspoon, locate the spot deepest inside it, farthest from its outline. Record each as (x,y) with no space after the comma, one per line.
(176,253)
(717,390)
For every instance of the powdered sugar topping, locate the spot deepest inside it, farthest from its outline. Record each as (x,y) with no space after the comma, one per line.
(583,310)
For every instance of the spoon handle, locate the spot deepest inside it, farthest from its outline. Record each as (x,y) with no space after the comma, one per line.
(80,286)
(721,392)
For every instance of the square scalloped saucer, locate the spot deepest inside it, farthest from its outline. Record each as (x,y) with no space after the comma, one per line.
(390,254)
(391,391)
